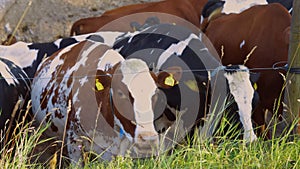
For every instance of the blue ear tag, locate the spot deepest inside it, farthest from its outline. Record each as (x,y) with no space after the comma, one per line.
(121,132)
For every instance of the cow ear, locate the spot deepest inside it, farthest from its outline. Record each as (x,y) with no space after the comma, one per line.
(170,77)
(253,79)
(102,80)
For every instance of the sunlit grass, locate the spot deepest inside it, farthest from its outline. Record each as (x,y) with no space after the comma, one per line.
(227,151)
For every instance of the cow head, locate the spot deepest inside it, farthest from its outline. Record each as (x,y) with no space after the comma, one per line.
(131,92)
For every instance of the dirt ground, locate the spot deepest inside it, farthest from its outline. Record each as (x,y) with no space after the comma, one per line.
(46,20)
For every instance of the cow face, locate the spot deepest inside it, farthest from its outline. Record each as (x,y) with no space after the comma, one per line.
(132,93)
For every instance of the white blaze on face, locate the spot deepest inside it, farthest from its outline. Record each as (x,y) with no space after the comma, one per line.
(242,91)
(142,87)
(238,6)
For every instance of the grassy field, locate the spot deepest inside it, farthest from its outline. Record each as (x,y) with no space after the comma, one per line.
(223,153)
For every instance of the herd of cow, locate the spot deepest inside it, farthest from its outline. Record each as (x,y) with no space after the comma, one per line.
(139,79)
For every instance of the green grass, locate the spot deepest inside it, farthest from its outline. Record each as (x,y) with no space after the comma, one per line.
(224,153)
(229,154)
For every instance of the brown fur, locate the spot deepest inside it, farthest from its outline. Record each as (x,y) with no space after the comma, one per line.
(9,40)
(189,10)
(262,26)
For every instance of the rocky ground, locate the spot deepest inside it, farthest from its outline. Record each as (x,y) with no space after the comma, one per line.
(46,20)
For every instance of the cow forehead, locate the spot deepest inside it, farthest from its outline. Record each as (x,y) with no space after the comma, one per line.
(134,71)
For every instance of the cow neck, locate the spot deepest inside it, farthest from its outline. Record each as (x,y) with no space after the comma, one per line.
(113,112)
(206,22)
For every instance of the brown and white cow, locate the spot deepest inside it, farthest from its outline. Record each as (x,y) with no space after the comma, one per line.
(189,10)
(262,32)
(88,90)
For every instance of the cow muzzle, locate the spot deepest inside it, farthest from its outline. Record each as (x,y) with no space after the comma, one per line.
(146,144)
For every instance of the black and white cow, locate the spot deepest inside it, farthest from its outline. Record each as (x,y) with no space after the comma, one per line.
(168,45)
(14,86)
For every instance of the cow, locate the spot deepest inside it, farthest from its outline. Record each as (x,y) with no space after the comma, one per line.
(88,89)
(14,86)
(77,91)
(189,10)
(19,63)
(258,38)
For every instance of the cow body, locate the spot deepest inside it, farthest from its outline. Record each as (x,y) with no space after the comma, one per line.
(19,64)
(262,29)
(93,92)
(167,11)
(14,86)
(189,10)
(28,56)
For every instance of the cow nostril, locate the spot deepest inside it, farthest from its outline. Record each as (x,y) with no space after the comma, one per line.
(141,138)
(148,137)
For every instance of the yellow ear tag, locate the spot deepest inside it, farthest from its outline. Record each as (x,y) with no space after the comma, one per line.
(99,85)
(170,81)
(255,86)
(192,84)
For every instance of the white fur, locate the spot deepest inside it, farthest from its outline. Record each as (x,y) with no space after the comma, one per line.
(238,6)
(242,91)
(135,76)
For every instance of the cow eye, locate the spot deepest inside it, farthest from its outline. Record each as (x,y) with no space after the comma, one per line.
(121,95)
